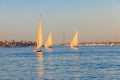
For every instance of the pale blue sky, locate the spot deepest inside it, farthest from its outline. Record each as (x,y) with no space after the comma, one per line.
(96,20)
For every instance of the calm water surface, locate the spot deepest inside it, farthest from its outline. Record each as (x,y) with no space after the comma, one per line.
(62,63)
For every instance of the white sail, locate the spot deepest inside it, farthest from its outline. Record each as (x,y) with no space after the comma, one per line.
(74,43)
(49,43)
(39,36)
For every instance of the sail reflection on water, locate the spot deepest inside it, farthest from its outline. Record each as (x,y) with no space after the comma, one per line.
(40,65)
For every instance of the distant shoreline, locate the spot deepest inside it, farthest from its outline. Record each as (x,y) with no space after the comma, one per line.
(22,43)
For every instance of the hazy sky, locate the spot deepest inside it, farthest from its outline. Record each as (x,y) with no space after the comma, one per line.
(96,20)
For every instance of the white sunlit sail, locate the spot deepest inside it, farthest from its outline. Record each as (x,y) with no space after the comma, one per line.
(39,38)
(74,44)
(48,43)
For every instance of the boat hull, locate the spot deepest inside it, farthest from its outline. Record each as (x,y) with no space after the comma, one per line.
(37,50)
(75,47)
(49,48)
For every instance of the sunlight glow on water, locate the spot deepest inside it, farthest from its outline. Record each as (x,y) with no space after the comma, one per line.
(88,63)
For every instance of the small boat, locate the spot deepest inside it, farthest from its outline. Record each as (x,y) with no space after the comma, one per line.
(74,43)
(48,43)
(39,39)
(112,44)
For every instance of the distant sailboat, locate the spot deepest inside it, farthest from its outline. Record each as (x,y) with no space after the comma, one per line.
(112,43)
(74,43)
(48,43)
(39,38)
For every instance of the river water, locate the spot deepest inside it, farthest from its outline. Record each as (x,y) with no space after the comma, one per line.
(61,63)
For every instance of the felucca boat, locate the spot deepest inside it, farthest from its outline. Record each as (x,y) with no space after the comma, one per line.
(39,39)
(74,43)
(48,43)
